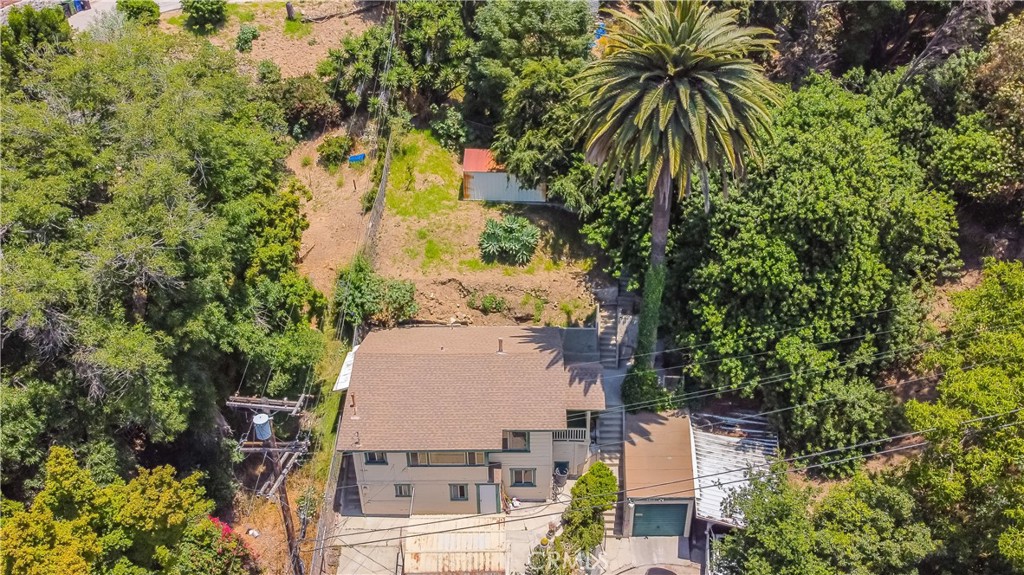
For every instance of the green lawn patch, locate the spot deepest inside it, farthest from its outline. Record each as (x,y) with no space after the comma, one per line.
(296,29)
(424,181)
(244,12)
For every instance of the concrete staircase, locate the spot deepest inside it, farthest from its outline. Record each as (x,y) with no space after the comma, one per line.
(610,436)
(607,336)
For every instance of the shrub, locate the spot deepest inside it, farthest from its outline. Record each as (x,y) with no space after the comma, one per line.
(367,298)
(594,493)
(306,104)
(369,196)
(513,240)
(489,303)
(204,15)
(268,72)
(971,161)
(145,12)
(246,34)
(448,126)
(334,150)
(641,390)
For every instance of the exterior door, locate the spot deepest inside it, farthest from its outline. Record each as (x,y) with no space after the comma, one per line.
(487,497)
(663,520)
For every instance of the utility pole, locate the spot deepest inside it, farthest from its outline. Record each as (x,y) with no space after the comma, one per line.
(265,432)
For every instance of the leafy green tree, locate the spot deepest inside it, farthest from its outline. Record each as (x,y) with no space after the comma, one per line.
(676,91)
(27,33)
(510,35)
(802,287)
(149,242)
(968,479)
(536,139)
(151,524)
(448,126)
(594,493)
(864,527)
(778,537)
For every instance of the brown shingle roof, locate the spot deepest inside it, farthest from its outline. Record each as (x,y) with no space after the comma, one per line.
(437,388)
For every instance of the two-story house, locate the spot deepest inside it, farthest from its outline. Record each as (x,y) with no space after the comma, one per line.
(459,420)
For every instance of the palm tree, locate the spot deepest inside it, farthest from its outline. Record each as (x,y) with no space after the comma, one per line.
(676,91)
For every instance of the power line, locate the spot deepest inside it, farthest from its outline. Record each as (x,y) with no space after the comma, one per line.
(728,471)
(759,382)
(766,334)
(690,479)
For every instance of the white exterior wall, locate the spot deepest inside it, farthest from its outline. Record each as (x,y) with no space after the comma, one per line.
(540,458)
(500,187)
(577,453)
(431,495)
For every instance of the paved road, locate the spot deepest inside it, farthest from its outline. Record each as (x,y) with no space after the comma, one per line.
(85,18)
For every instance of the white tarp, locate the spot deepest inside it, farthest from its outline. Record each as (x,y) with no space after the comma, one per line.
(345,375)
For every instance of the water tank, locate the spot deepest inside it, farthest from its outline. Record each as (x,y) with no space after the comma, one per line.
(262,423)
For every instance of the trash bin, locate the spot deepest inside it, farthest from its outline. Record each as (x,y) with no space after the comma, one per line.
(78,6)
(560,476)
(67,6)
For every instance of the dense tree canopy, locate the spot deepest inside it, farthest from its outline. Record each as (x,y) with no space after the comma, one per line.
(512,34)
(149,246)
(969,479)
(536,139)
(808,274)
(865,527)
(151,524)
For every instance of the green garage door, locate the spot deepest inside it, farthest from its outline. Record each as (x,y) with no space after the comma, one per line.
(660,520)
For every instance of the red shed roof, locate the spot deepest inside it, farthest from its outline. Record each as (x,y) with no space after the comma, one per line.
(479,160)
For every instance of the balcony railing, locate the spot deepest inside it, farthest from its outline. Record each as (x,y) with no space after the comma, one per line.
(574,434)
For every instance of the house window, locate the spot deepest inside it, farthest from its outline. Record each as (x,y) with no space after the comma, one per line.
(448,458)
(375,458)
(515,441)
(443,458)
(524,478)
(458,492)
(403,490)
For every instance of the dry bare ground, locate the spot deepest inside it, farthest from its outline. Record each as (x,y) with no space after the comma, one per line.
(336,221)
(298,48)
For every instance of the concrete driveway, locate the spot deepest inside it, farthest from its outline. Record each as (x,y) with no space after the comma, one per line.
(651,556)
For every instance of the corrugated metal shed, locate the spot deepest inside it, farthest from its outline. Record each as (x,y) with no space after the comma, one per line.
(722,461)
(456,553)
(486,180)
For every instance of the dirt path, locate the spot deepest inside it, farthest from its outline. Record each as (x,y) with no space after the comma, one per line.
(336,221)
